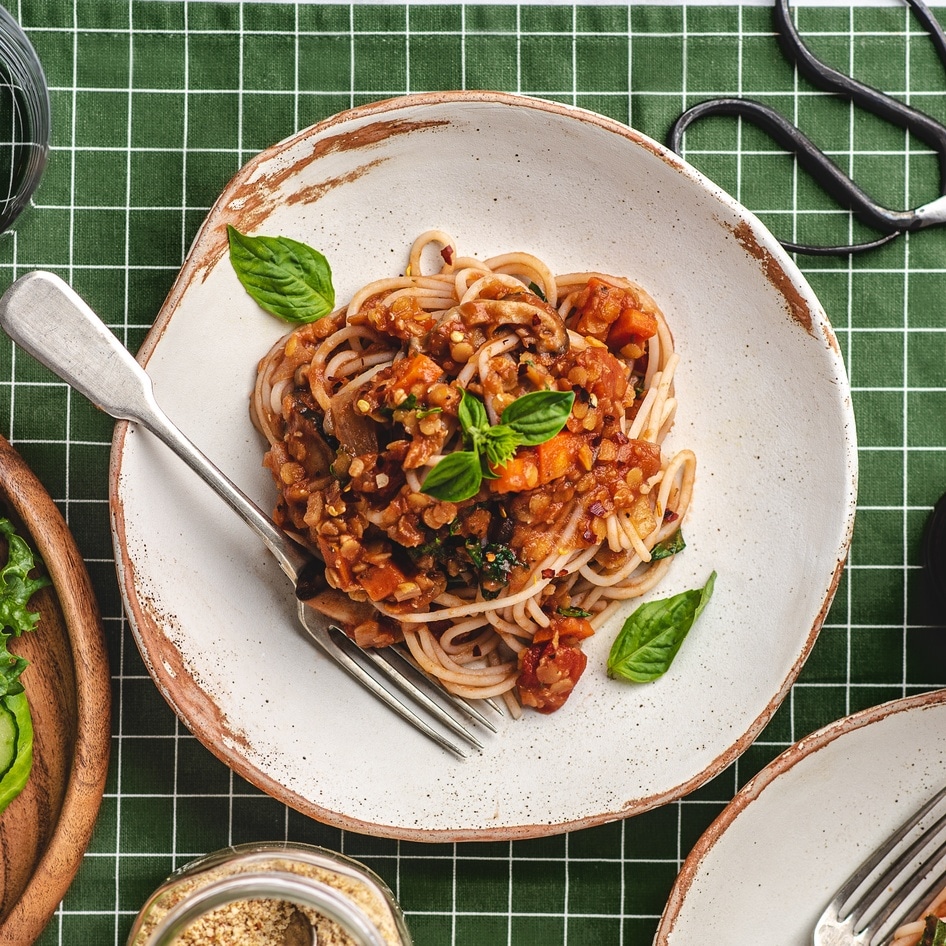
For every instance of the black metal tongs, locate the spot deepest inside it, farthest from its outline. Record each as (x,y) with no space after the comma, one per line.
(890,223)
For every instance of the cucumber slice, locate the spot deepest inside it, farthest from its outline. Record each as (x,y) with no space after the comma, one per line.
(17,773)
(9,730)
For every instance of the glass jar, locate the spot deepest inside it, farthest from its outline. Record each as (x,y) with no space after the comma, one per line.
(255,893)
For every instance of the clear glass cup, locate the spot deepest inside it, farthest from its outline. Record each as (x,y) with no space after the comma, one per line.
(256,890)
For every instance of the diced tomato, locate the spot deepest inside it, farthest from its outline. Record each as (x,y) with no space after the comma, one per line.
(607,376)
(553,663)
(548,673)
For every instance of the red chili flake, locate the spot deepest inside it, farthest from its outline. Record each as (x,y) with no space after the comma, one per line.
(548,572)
(670,516)
(596,509)
(447,254)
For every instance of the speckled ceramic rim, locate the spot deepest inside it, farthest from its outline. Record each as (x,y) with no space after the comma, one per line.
(755,787)
(758,244)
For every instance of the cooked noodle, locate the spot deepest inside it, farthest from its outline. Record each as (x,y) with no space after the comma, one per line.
(492,594)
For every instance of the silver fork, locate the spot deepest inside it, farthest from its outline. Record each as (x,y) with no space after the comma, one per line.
(892,885)
(47,319)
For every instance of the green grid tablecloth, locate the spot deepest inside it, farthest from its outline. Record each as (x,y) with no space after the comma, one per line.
(157,103)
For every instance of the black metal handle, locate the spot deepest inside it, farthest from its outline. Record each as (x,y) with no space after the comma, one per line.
(891,223)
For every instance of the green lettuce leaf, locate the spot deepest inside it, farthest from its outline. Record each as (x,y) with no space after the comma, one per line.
(16,731)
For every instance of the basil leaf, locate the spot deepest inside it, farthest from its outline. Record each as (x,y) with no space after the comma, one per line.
(289,279)
(456,477)
(650,638)
(668,547)
(471,413)
(539,415)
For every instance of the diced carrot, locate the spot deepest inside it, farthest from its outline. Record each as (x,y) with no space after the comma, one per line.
(536,466)
(613,314)
(631,325)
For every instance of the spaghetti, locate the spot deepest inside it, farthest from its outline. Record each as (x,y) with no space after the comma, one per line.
(493,593)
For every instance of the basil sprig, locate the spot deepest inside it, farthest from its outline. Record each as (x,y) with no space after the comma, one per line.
(287,278)
(528,421)
(650,638)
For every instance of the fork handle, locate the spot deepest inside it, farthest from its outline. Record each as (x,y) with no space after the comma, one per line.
(50,321)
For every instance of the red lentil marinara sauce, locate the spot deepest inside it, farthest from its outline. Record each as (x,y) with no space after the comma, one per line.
(548,399)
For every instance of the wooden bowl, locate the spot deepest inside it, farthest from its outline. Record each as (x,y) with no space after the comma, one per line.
(45,830)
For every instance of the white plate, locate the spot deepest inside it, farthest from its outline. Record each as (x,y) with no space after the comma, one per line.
(767,867)
(763,400)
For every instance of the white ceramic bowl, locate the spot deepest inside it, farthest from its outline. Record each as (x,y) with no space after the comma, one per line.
(763,400)
(768,865)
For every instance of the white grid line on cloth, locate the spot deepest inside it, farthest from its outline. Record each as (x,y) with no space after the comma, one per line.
(910,31)
(509,898)
(587,3)
(906,361)
(407,50)
(518,50)
(849,636)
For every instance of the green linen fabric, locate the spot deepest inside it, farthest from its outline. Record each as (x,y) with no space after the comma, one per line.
(157,103)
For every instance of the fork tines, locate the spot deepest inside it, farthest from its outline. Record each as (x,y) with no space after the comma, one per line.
(895,883)
(396,681)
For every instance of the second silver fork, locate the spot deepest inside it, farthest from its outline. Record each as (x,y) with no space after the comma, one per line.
(49,320)
(892,886)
